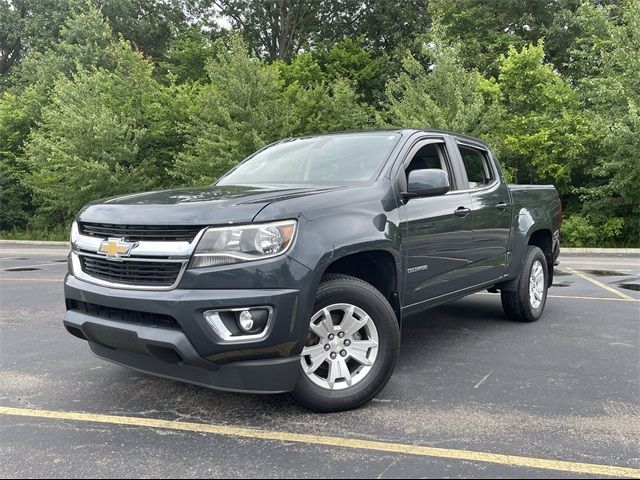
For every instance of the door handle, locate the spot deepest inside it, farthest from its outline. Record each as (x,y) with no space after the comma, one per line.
(501,206)
(462,212)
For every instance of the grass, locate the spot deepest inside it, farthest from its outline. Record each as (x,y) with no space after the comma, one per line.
(52,234)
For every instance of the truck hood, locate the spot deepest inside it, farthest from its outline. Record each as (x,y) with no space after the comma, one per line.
(214,205)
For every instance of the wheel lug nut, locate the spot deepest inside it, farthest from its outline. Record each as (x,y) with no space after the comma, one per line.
(327,347)
(331,336)
(341,334)
(347,343)
(333,355)
(343,353)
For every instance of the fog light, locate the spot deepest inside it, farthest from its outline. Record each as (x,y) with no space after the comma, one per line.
(240,324)
(245,320)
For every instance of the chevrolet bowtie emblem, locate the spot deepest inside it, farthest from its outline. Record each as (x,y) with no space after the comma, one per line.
(116,248)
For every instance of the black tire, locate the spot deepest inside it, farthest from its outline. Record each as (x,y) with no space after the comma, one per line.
(517,304)
(337,288)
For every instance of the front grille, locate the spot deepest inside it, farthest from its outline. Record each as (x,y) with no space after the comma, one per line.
(130,272)
(136,233)
(122,315)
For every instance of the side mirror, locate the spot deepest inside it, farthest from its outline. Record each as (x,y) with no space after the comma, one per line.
(427,182)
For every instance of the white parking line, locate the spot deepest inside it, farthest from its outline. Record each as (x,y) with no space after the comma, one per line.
(22,267)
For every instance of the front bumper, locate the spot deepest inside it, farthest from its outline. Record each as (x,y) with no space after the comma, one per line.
(169,354)
(189,350)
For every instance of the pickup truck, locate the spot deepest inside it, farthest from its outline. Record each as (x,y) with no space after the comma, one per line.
(293,272)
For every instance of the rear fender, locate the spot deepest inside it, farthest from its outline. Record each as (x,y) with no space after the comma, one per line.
(525,224)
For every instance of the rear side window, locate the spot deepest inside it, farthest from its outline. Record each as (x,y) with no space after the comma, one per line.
(476,164)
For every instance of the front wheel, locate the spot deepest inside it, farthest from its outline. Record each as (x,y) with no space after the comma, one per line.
(527,302)
(351,348)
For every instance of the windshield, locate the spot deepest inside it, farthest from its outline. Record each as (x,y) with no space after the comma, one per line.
(329,158)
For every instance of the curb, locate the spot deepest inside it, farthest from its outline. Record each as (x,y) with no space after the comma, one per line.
(33,242)
(627,251)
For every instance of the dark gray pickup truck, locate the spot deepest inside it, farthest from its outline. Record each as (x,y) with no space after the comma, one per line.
(292,273)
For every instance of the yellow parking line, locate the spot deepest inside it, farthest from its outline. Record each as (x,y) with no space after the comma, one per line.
(600,284)
(575,297)
(353,443)
(595,298)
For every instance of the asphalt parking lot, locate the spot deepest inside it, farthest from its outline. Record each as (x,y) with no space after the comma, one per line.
(474,395)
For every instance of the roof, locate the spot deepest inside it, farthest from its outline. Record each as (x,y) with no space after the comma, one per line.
(403,131)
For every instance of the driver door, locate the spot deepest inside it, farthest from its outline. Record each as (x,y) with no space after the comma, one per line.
(437,231)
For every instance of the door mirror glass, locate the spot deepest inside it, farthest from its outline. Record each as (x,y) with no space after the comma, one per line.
(427,182)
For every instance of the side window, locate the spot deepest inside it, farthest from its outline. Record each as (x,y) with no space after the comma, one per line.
(476,164)
(429,156)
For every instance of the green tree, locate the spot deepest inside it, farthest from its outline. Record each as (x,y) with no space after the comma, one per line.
(487,29)
(442,94)
(324,108)
(15,196)
(541,129)
(592,29)
(278,29)
(85,41)
(90,139)
(349,59)
(101,97)
(391,25)
(30,25)
(250,103)
(103,125)
(610,92)
(240,110)
(148,24)
(187,56)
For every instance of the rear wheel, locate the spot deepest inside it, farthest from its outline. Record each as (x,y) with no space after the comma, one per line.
(351,348)
(527,302)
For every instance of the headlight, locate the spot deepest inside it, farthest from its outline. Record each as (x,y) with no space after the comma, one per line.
(74,235)
(227,245)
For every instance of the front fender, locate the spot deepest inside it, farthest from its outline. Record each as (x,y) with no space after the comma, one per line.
(327,239)
(332,228)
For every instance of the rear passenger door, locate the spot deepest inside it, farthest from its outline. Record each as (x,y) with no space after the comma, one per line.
(491,210)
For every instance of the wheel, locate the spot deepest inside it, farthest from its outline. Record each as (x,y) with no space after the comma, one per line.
(351,348)
(527,302)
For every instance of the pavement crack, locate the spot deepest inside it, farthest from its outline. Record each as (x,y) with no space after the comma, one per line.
(393,462)
(483,379)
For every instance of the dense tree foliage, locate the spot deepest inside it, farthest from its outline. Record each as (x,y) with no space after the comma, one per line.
(103,97)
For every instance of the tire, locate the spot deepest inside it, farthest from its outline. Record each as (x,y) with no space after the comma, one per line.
(369,367)
(526,304)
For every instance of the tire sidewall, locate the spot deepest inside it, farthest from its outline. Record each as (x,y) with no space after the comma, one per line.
(533,254)
(350,290)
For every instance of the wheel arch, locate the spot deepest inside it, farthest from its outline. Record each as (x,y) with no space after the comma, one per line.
(375,266)
(536,235)
(543,239)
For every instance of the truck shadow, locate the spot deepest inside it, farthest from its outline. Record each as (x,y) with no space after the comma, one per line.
(464,320)
(431,341)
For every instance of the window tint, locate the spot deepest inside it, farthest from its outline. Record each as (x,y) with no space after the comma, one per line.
(477,167)
(428,156)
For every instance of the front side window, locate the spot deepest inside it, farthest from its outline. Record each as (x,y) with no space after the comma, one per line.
(429,156)
(341,158)
(477,166)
